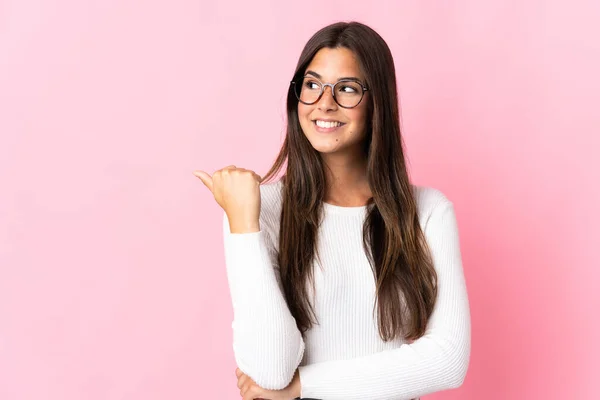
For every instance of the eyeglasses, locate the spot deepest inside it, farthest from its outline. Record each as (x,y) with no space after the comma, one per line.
(347,93)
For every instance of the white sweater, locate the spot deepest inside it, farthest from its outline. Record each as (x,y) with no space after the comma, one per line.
(344,357)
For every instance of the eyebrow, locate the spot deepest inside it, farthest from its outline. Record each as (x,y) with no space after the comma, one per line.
(344,77)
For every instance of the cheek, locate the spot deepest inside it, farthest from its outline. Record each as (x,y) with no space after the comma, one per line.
(359,119)
(303,110)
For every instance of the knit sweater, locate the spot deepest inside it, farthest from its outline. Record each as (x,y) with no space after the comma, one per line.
(343,357)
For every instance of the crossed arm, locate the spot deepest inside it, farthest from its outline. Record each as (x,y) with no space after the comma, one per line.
(269,348)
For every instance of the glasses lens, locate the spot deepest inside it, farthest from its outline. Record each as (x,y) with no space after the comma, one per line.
(308,89)
(348,93)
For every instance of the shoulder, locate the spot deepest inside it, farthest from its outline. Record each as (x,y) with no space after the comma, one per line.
(430,201)
(271,197)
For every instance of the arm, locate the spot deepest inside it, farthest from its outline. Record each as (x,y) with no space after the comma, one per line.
(267,344)
(434,362)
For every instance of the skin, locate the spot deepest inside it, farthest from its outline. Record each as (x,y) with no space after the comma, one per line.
(237,191)
(341,151)
(249,390)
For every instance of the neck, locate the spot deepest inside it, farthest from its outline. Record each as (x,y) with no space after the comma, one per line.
(346,179)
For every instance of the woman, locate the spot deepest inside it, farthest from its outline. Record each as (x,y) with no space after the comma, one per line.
(346,279)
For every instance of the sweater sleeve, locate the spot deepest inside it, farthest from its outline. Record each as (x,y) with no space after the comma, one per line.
(436,361)
(267,345)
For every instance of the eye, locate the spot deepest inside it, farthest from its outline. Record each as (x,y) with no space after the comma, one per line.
(311,85)
(347,89)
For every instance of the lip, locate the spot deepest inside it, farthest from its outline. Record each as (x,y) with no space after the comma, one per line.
(326,130)
(326,119)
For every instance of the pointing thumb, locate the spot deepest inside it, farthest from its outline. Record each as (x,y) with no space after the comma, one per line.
(205,178)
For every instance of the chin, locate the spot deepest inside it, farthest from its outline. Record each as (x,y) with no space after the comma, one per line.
(326,146)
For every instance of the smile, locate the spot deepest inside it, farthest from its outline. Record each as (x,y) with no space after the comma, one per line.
(327,126)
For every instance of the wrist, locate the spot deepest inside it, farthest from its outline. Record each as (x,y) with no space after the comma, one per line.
(243,226)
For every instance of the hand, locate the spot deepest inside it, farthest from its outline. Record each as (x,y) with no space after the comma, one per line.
(249,390)
(237,191)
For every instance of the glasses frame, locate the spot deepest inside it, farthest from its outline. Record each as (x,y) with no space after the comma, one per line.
(331,85)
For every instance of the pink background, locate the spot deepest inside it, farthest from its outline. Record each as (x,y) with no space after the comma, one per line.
(112,282)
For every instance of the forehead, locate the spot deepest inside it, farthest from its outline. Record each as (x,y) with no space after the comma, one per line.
(332,64)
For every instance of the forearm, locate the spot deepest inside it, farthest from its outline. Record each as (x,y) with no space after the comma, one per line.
(267,344)
(412,370)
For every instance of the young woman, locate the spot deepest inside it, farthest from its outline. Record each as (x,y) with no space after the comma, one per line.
(346,279)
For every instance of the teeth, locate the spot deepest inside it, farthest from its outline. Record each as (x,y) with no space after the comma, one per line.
(327,124)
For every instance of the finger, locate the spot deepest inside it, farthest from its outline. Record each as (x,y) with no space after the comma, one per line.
(243,380)
(256,392)
(205,178)
(257,176)
(251,394)
(238,372)
(230,167)
(245,392)
(246,387)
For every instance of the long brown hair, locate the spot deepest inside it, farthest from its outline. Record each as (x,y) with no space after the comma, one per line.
(406,282)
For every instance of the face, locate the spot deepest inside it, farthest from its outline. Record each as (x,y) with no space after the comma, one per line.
(345,129)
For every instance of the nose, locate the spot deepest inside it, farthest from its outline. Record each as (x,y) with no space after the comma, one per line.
(327,102)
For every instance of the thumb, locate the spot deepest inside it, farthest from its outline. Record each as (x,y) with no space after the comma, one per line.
(205,178)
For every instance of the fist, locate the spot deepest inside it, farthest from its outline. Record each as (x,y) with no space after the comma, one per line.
(237,191)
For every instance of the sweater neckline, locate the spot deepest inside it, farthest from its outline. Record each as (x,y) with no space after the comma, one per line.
(333,209)
(356,210)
